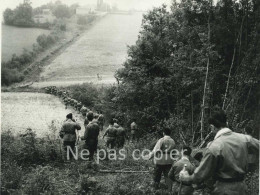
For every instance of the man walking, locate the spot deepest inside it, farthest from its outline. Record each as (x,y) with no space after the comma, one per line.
(111,135)
(91,135)
(182,188)
(133,127)
(226,158)
(163,159)
(69,133)
(120,137)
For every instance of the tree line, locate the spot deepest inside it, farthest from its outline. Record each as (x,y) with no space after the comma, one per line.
(23,14)
(188,60)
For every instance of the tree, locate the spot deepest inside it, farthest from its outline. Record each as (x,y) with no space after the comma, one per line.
(23,15)
(61,11)
(8,16)
(164,75)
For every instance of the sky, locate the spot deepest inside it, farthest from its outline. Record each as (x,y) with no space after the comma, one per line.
(122,4)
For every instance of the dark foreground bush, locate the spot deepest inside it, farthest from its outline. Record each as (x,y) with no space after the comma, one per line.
(10,76)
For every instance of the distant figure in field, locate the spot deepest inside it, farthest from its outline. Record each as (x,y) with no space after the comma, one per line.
(134,128)
(99,77)
(91,136)
(69,134)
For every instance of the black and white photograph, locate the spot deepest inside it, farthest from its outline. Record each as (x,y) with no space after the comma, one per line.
(130,97)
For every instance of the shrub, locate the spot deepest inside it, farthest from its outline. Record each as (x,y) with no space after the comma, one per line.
(82,20)
(41,180)
(10,76)
(11,175)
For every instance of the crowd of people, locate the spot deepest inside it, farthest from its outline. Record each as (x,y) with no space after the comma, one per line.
(226,158)
(115,134)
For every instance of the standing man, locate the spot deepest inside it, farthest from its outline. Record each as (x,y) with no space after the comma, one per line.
(133,127)
(91,135)
(182,188)
(225,159)
(69,133)
(163,159)
(111,135)
(101,121)
(120,137)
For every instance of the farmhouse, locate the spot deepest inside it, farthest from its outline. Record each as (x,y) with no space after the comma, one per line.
(45,17)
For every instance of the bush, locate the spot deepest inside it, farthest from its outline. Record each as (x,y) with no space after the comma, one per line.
(11,175)
(26,149)
(10,76)
(41,180)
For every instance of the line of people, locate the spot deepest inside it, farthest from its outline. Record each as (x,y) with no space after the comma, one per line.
(77,105)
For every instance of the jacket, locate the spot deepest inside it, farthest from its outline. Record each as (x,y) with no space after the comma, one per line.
(68,130)
(162,151)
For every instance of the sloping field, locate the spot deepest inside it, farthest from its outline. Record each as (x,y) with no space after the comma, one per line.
(20,111)
(101,50)
(14,39)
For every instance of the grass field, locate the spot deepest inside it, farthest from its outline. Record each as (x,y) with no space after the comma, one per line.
(14,39)
(32,110)
(101,50)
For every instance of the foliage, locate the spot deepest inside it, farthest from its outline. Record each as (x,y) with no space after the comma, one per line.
(9,76)
(45,41)
(163,78)
(62,11)
(20,16)
(87,94)
(12,70)
(84,20)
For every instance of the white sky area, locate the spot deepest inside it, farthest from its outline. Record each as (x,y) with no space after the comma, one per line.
(122,4)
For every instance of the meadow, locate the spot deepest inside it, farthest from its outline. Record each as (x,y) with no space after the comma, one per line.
(15,39)
(37,111)
(100,50)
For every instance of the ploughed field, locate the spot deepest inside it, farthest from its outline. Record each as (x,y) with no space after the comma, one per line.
(37,111)
(14,39)
(101,50)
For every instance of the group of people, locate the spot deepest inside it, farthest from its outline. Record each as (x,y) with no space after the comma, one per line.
(115,135)
(70,135)
(68,101)
(226,160)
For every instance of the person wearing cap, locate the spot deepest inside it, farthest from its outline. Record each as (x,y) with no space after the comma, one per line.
(68,134)
(163,161)
(225,159)
(182,188)
(91,135)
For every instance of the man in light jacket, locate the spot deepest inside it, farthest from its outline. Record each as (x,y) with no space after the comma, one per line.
(162,154)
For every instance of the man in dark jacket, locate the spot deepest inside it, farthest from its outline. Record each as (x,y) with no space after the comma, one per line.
(111,134)
(177,167)
(91,135)
(68,134)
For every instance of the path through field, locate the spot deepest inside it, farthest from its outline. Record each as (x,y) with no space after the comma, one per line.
(101,50)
